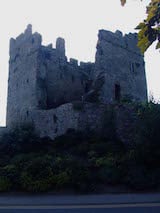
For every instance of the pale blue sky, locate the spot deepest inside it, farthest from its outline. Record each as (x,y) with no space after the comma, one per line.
(78,21)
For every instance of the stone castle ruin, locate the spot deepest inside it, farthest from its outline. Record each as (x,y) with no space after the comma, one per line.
(43,85)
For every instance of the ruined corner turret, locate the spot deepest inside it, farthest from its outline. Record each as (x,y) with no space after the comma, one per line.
(119,60)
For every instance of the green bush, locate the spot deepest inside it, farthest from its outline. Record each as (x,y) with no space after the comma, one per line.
(82,180)
(62,179)
(38,175)
(19,140)
(147,147)
(31,184)
(109,171)
(5,184)
(109,175)
(138,178)
(149,115)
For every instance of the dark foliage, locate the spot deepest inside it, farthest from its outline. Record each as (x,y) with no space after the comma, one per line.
(82,161)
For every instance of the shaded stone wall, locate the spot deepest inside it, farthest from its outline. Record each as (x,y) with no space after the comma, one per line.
(63,80)
(99,118)
(55,122)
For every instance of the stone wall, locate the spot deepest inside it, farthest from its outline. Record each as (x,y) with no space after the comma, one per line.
(78,116)
(85,117)
(63,81)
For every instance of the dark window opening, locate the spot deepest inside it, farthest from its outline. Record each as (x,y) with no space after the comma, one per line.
(56,130)
(132,67)
(55,118)
(117,92)
(27,81)
(27,113)
(87,86)
(32,40)
(73,79)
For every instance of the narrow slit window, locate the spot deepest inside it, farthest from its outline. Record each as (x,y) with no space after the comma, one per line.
(117,92)
(132,67)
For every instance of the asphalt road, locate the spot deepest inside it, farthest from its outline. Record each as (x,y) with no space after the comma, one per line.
(108,203)
(145,208)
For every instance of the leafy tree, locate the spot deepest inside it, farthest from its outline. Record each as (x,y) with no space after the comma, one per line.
(149,29)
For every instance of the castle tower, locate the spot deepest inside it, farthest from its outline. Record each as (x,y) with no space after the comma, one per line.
(40,77)
(119,60)
(22,82)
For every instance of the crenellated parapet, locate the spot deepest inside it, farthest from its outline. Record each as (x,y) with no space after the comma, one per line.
(117,39)
(26,43)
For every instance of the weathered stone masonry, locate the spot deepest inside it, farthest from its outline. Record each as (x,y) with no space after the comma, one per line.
(43,84)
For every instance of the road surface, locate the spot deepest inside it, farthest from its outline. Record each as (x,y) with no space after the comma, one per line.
(109,208)
(107,203)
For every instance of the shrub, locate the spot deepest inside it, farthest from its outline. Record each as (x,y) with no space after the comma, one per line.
(139,178)
(30,184)
(82,180)
(38,175)
(149,115)
(10,171)
(5,184)
(148,141)
(109,171)
(109,175)
(21,139)
(62,179)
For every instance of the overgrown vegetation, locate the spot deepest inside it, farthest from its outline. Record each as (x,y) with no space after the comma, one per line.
(82,162)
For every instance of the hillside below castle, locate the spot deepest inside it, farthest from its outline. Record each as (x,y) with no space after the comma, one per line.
(55,94)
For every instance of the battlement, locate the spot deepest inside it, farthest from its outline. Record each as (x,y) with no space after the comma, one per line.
(26,42)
